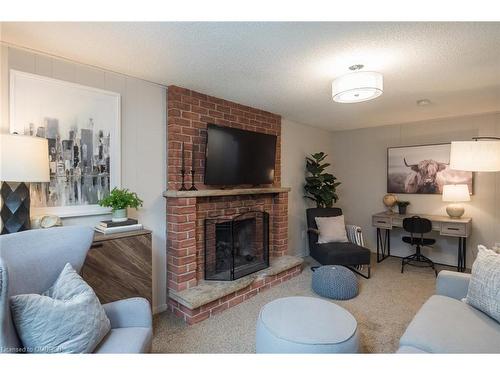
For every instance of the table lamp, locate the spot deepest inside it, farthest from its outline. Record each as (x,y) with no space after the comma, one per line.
(455,193)
(23,159)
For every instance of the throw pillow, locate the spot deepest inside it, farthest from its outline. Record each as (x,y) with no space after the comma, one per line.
(331,229)
(484,285)
(67,318)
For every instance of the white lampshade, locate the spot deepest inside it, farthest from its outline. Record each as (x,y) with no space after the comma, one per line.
(456,193)
(476,156)
(357,87)
(24,158)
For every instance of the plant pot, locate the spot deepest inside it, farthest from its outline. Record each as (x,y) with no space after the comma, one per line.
(119,215)
(402,210)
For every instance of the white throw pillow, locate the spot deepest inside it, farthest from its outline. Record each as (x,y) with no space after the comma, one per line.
(67,318)
(331,229)
(484,285)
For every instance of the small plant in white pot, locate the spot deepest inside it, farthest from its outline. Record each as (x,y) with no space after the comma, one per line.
(119,200)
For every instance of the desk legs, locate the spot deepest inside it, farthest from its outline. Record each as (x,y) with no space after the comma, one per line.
(462,250)
(383,244)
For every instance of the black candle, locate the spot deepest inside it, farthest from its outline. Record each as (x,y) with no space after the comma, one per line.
(182,155)
(192,159)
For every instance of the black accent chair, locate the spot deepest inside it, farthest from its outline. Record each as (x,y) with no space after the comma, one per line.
(347,254)
(417,227)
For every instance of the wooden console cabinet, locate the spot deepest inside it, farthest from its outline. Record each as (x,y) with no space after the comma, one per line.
(119,266)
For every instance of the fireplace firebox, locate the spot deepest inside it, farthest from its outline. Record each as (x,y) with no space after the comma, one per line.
(236,247)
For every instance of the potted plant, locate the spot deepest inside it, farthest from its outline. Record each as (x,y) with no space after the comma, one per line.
(402,207)
(320,186)
(119,200)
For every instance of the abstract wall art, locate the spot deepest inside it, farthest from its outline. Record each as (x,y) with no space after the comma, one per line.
(82,126)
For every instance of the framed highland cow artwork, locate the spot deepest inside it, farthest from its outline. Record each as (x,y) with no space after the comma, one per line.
(422,169)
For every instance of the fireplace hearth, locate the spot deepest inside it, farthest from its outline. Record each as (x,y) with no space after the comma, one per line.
(236,247)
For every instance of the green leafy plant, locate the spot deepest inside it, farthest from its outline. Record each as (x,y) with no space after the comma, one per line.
(320,186)
(121,198)
(403,203)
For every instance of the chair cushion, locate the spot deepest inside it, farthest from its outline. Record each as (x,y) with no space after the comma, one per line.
(447,325)
(419,241)
(331,229)
(67,318)
(484,285)
(341,253)
(126,340)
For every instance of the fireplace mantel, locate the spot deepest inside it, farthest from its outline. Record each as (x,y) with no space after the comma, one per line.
(223,192)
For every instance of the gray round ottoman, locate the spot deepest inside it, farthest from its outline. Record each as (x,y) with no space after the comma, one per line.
(336,282)
(305,325)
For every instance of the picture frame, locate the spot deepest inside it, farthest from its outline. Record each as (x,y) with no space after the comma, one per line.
(423,169)
(83,126)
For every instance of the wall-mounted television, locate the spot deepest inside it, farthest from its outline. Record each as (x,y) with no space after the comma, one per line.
(239,157)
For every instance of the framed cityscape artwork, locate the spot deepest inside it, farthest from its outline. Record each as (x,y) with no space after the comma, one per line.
(422,170)
(82,126)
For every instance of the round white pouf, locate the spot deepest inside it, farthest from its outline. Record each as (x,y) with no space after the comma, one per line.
(306,325)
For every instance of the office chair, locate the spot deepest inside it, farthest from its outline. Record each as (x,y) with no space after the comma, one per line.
(417,227)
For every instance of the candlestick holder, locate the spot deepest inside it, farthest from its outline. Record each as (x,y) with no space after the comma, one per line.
(192,188)
(183,186)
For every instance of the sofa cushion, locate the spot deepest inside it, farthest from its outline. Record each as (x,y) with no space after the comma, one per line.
(67,318)
(341,253)
(126,340)
(484,285)
(447,325)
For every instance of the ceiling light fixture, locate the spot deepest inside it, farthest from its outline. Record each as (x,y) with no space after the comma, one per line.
(423,102)
(358,86)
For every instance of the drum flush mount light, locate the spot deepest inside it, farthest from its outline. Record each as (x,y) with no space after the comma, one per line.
(358,86)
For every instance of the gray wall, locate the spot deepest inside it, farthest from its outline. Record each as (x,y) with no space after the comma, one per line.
(298,141)
(359,161)
(143,114)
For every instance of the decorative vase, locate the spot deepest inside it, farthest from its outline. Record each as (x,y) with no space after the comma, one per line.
(119,215)
(402,210)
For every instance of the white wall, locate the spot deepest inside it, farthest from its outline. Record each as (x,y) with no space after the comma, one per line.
(359,161)
(143,114)
(298,141)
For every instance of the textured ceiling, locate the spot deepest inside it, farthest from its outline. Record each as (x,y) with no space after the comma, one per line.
(287,68)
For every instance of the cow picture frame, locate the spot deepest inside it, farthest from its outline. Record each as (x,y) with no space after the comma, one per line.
(423,169)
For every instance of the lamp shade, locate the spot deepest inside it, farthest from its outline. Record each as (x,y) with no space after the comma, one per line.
(357,87)
(456,193)
(475,156)
(23,158)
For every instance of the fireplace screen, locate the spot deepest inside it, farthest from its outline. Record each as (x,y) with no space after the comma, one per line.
(236,247)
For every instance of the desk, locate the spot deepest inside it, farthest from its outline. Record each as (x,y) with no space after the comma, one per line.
(446,226)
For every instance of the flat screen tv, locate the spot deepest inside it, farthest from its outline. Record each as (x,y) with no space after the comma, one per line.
(239,157)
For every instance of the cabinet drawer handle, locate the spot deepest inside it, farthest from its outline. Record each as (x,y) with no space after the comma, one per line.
(453,228)
(381,222)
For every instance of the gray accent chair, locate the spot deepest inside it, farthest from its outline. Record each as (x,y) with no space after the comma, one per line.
(445,324)
(31,261)
(351,254)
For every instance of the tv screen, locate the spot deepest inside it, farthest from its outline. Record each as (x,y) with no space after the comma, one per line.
(239,157)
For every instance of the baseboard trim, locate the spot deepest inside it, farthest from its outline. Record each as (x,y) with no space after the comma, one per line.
(160,309)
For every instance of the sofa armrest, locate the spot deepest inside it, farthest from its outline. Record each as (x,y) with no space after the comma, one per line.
(452,284)
(131,312)
(355,234)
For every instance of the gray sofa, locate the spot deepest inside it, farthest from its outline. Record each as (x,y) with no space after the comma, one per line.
(31,261)
(445,324)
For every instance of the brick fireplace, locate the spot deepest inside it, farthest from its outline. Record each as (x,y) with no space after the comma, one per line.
(190,295)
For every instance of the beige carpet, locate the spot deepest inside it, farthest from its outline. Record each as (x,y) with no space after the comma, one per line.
(384,307)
